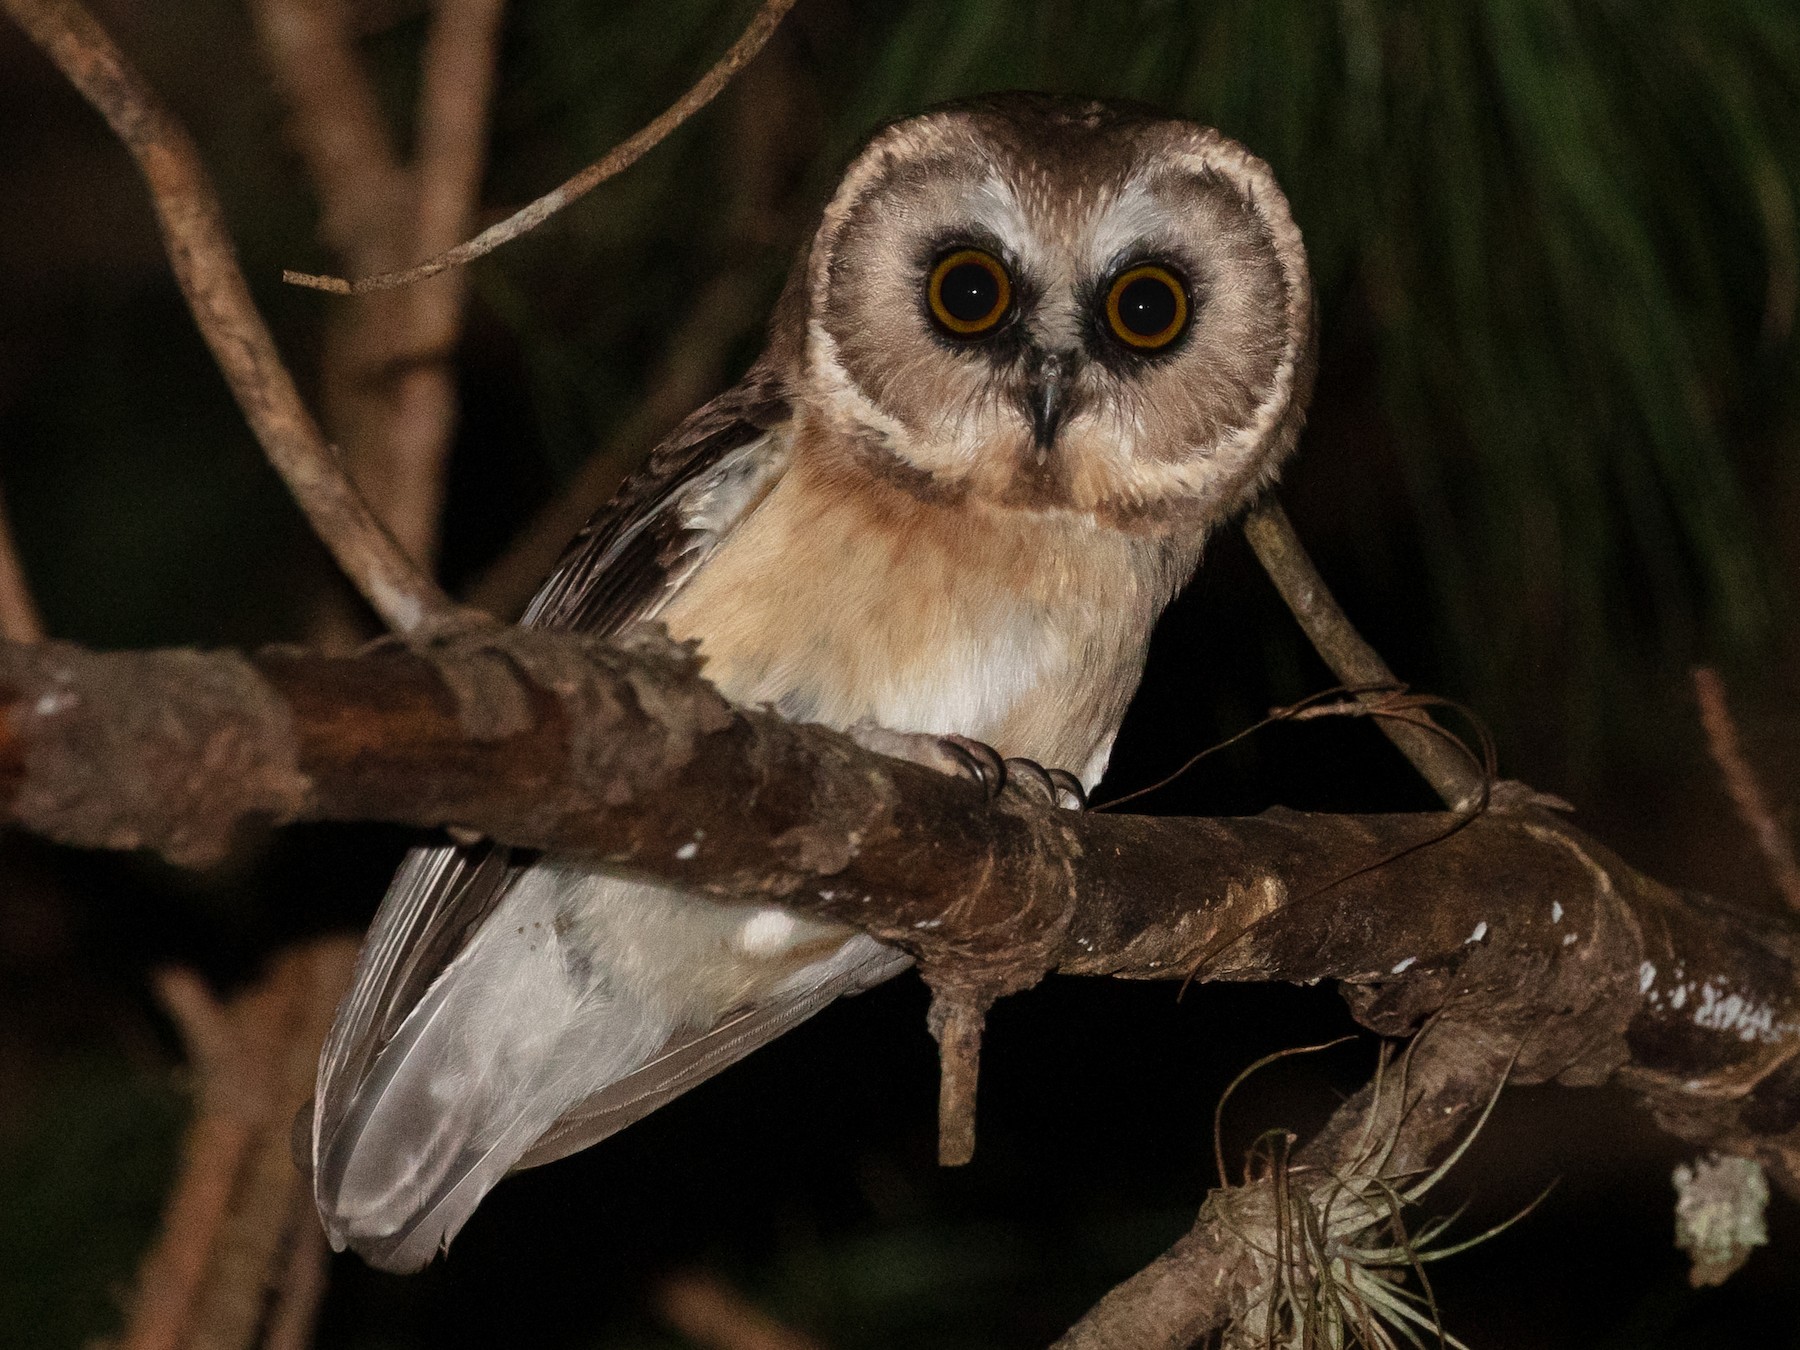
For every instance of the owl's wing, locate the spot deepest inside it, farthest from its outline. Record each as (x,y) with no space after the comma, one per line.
(625,564)
(641,548)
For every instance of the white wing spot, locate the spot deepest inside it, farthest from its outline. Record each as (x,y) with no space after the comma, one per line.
(1401,967)
(766,931)
(1479,933)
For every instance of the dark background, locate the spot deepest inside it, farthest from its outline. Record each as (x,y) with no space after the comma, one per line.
(1552,464)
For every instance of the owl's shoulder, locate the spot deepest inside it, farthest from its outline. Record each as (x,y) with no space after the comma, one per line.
(639,548)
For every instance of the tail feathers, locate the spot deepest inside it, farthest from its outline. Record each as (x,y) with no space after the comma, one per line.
(517,1029)
(581,1004)
(689,1059)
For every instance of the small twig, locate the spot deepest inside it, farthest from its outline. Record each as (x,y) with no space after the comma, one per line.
(615,161)
(1350,658)
(1743,785)
(19,619)
(957,1018)
(206,1035)
(713,1315)
(201,252)
(770,146)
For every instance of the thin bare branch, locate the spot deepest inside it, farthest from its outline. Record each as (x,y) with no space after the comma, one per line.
(201,252)
(1352,660)
(1743,785)
(173,1271)
(614,162)
(237,1225)
(773,138)
(705,1310)
(388,387)
(302,1286)
(336,123)
(19,619)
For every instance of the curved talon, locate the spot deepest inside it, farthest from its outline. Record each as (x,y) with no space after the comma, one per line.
(1068,785)
(1033,777)
(981,762)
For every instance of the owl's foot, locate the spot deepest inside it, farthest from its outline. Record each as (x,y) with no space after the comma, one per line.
(1054,787)
(957,756)
(961,757)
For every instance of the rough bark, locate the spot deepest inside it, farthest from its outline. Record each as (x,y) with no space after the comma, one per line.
(1519,923)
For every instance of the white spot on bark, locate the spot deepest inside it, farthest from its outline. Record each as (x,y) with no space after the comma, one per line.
(1400,967)
(1556,911)
(1646,977)
(1721,1010)
(1479,933)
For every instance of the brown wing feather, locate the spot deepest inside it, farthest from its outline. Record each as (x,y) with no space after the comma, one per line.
(623,560)
(634,553)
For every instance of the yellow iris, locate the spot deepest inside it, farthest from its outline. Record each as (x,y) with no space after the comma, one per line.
(969,292)
(1146,307)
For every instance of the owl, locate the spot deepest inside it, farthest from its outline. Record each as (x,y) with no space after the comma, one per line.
(1036,350)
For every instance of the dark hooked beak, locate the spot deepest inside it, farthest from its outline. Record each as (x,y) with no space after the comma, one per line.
(1051,380)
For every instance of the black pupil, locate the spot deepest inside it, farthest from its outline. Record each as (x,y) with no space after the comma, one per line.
(969,292)
(1147,306)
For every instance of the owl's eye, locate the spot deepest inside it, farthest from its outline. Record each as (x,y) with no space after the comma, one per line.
(969,292)
(1146,307)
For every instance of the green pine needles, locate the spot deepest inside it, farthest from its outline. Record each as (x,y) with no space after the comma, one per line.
(1556,244)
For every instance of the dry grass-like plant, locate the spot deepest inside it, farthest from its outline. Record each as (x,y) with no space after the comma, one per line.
(1329,1252)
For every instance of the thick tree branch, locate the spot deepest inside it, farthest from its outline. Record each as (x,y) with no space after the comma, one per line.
(205,265)
(1518,921)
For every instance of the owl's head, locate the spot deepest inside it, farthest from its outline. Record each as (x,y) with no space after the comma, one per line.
(1057,304)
